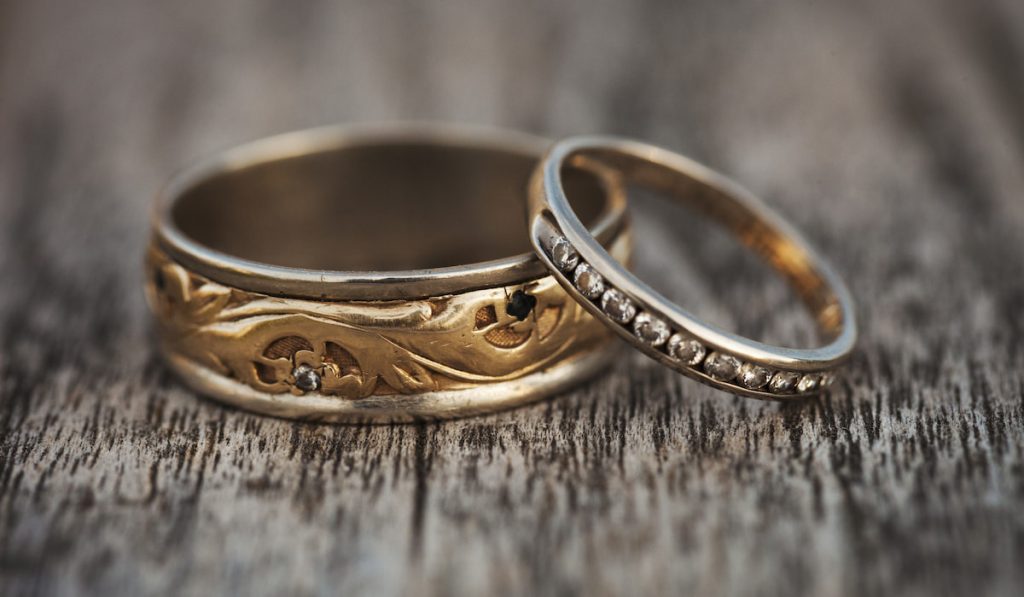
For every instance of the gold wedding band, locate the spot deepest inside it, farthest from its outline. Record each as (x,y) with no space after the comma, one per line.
(653,324)
(326,275)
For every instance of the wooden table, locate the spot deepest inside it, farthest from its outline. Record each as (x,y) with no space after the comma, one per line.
(891,132)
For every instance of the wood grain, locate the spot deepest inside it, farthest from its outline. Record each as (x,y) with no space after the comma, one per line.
(892,132)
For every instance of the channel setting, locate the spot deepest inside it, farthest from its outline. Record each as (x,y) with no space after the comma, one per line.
(685,350)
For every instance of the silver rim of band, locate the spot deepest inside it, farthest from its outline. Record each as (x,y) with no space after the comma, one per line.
(355,285)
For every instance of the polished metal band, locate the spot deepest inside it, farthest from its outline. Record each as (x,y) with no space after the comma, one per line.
(322,275)
(655,325)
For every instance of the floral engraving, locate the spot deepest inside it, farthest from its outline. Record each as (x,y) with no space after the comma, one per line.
(356,349)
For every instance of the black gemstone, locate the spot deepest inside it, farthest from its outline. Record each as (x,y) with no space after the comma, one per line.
(520,305)
(306,378)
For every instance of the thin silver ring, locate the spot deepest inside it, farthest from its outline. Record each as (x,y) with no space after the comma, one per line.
(664,330)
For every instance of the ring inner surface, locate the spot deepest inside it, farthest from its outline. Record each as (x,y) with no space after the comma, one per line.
(738,225)
(375,207)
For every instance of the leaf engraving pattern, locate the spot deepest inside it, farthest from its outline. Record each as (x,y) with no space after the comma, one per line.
(364,348)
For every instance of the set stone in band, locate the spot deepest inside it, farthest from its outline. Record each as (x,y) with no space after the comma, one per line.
(656,333)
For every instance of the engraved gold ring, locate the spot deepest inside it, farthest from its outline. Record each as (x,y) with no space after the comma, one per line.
(372,274)
(653,324)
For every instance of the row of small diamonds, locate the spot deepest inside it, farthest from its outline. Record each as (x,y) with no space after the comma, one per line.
(655,332)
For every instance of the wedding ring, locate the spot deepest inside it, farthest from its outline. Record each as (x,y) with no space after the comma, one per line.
(372,274)
(656,326)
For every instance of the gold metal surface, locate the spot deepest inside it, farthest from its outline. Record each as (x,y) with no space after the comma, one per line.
(361,349)
(381,345)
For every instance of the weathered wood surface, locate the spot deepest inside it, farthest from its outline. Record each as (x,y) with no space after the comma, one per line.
(893,132)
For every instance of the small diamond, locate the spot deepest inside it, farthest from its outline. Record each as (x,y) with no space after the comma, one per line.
(783,382)
(721,366)
(563,255)
(827,380)
(650,329)
(617,306)
(686,349)
(752,376)
(306,379)
(588,281)
(808,383)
